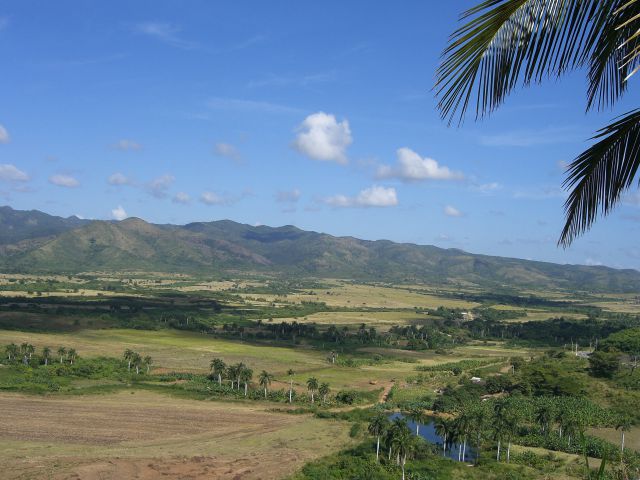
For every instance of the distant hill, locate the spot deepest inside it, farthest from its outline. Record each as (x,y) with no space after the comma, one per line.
(36,242)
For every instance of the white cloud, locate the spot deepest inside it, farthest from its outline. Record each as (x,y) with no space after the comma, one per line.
(592,262)
(412,167)
(118,179)
(119,213)
(158,187)
(238,104)
(487,187)
(375,196)
(181,198)
(293,80)
(322,137)
(165,32)
(228,151)
(212,198)
(4,135)
(63,180)
(127,145)
(288,196)
(451,211)
(10,173)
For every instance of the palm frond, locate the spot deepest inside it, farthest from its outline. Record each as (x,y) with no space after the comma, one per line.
(507,42)
(600,175)
(612,60)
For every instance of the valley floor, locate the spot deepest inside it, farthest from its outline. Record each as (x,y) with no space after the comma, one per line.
(137,434)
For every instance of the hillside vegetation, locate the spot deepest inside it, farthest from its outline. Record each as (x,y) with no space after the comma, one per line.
(33,242)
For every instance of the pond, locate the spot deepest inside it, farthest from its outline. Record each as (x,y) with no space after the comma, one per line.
(428,432)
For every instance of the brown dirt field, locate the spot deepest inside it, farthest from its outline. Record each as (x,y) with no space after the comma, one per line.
(146,436)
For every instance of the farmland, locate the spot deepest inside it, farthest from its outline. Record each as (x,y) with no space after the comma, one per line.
(366,342)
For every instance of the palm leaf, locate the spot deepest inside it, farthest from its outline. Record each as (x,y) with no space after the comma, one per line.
(612,60)
(601,174)
(507,42)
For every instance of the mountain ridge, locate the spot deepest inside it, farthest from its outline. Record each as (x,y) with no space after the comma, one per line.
(35,242)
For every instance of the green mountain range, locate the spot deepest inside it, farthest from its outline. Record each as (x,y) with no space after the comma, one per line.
(34,242)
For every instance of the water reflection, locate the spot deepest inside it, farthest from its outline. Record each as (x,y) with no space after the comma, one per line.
(428,432)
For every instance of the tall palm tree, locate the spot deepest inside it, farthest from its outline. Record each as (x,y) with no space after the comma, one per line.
(443,427)
(290,372)
(232,373)
(324,390)
(217,368)
(147,361)
(61,353)
(245,377)
(378,427)
(418,416)
(136,362)
(240,366)
(265,379)
(128,355)
(403,444)
(504,43)
(623,424)
(500,423)
(72,354)
(544,415)
(46,355)
(12,351)
(312,386)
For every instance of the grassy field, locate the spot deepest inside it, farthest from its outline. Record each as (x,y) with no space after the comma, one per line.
(343,294)
(191,352)
(143,435)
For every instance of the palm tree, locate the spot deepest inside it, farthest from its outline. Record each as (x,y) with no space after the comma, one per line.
(239,367)
(416,415)
(72,354)
(290,372)
(324,390)
(478,423)
(312,386)
(444,427)
(544,415)
(403,444)
(46,355)
(61,353)
(136,361)
(30,350)
(509,42)
(500,423)
(462,426)
(12,351)
(147,361)
(245,376)
(265,380)
(128,356)
(623,424)
(217,368)
(378,427)
(231,374)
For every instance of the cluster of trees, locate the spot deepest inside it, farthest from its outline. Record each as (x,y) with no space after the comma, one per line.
(395,437)
(26,353)
(240,376)
(496,424)
(137,361)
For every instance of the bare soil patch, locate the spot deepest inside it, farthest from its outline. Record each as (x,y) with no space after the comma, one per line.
(147,436)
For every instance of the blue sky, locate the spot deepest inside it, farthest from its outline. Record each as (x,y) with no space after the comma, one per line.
(319,115)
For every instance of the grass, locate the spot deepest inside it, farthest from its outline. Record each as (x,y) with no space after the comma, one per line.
(343,294)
